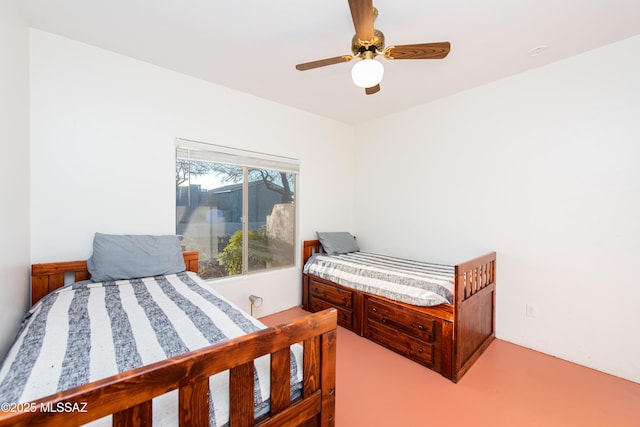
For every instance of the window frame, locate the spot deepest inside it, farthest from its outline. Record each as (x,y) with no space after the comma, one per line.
(199,151)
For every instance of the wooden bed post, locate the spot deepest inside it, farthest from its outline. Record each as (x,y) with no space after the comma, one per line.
(328,381)
(309,247)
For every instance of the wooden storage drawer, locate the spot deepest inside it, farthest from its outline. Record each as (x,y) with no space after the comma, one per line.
(339,297)
(345,317)
(415,324)
(420,351)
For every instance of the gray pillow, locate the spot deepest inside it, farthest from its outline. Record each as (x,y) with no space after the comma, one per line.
(338,242)
(118,257)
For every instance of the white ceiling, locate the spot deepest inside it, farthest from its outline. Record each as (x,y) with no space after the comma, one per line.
(253,45)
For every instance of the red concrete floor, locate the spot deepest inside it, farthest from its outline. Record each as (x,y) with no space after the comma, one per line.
(509,385)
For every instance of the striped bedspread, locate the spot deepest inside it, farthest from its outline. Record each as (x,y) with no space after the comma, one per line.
(85,332)
(412,282)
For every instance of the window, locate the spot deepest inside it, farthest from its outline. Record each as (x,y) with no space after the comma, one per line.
(236,208)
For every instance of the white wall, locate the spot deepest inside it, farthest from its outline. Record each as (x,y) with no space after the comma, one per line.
(541,167)
(103,130)
(14,169)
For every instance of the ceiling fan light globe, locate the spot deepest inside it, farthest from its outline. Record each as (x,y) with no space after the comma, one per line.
(367,73)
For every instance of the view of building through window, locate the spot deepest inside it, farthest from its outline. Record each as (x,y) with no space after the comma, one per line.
(240,219)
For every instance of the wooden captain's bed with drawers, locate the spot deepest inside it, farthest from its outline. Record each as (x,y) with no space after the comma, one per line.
(447,338)
(133,397)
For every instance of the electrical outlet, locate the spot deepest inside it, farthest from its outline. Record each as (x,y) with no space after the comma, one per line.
(531,310)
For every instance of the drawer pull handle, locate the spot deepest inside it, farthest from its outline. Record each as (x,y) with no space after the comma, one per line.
(344,298)
(421,327)
(375,309)
(420,350)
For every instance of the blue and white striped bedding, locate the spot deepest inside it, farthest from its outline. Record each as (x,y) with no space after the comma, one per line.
(85,332)
(413,282)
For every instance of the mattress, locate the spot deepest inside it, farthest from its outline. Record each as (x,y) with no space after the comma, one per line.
(413,282)
(88,331)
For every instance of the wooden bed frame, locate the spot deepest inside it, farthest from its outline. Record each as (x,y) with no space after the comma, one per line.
(127,396)
(447,338)
(48,277)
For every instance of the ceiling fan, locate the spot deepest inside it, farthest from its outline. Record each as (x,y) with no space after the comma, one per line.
(369,43)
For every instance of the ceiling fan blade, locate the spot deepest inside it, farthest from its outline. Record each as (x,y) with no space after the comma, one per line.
(418,51)
(323,62)
(363,17)
(372,90)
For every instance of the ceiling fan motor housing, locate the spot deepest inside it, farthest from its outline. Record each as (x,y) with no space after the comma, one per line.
(375,44)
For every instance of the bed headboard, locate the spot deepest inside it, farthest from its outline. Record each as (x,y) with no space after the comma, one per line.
(310,247)
(48,277)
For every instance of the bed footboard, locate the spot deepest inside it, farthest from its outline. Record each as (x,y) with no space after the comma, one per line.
(474,316)
(128,395)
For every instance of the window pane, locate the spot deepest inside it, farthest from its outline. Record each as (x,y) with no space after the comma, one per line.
(209,215)
(271,219)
